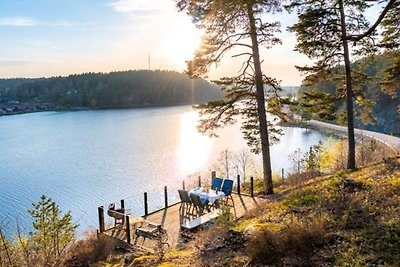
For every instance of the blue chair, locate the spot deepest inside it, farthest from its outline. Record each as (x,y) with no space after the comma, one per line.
(216,183)
(227,188)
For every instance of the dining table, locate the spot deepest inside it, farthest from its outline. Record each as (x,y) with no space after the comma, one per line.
(211,195)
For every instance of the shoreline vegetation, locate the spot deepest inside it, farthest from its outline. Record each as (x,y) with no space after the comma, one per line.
(24,110)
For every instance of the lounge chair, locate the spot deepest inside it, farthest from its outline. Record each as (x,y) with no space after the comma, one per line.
(216,183)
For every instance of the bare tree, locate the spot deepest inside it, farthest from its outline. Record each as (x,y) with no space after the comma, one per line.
(243,159)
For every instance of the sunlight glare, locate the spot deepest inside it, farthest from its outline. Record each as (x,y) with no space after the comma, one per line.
(181,43)
(194,148)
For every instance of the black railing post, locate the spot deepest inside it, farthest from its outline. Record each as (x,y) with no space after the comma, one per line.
(252,186)
(128,229)
(122,204)
(199,181)
(101,218)
(166,196)
(146,207)
(238,184)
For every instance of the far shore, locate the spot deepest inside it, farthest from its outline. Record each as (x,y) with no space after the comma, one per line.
(58,109)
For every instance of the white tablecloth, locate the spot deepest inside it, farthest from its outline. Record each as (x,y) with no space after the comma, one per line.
(211,195)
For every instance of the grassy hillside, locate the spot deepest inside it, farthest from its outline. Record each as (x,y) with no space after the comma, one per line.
(315,222)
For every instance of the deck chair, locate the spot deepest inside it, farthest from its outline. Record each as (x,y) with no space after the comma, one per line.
(216,183)
(227,187)
(117,214)
(152,231)
(186,202)
(198,203)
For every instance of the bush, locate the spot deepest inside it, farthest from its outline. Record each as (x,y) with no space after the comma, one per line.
(93,248)
(265,247)
(301,239)
(297,241)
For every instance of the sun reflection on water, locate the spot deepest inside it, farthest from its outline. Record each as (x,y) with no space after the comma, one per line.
(194,148)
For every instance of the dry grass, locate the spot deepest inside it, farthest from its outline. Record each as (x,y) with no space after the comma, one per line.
(89,250)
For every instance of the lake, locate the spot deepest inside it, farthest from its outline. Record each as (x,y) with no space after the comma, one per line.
(86,159)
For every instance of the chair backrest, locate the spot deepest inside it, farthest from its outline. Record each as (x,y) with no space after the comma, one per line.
(117,214)
(184,196)
(227,187)
(196,200)
(216,183)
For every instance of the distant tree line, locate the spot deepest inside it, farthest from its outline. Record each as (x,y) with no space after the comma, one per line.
(110,90)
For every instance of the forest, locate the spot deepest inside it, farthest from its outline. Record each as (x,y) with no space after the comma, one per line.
(120,89)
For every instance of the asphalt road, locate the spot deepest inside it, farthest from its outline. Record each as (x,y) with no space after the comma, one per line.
(392,141)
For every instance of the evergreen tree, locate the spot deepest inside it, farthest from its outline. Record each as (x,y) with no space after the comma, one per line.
(238,26)
(391,41)
(52,231)
(324,32)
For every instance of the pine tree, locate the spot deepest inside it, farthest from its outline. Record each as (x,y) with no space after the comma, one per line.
(324,32)
(391,41)
(52,231)
(238,26)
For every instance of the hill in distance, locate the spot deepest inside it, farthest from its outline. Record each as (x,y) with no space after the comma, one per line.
(122,89)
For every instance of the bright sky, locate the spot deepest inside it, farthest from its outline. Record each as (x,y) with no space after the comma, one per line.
(60,37)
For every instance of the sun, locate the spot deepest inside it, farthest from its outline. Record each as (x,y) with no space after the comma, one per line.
(180,45)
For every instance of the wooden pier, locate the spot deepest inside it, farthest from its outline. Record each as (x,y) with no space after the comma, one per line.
(169,219)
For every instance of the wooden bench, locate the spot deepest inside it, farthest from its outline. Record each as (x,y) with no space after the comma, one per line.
(202,219)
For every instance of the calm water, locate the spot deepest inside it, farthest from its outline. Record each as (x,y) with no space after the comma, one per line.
(90,158)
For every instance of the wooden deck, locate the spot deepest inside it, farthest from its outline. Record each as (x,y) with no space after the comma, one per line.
(170,219)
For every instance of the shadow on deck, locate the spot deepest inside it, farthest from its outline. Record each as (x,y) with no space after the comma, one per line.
(169,219)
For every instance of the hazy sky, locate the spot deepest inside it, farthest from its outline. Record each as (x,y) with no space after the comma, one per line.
(61,37)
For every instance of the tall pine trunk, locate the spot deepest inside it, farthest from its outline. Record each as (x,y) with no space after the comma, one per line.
(351,160)
(262,116)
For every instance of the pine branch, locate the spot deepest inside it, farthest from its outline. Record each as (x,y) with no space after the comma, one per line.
(358,37)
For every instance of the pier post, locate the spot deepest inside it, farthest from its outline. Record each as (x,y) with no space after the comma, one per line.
(183,184)
(166,196)
(101,218)
(199,181)
(283,174)
(252,186)
(128,229)
(146,206)
(238,184)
